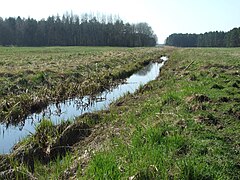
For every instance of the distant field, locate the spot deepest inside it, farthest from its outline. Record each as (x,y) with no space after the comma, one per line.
(33,77)
(183,125)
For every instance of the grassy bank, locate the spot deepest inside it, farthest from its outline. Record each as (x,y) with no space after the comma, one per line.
(31,78)
(184,125)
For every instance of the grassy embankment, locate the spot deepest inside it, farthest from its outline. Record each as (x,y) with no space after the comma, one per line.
(31,78)
(184,125)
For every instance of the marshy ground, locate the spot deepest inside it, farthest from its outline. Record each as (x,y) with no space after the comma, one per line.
(31,78)
(183,125)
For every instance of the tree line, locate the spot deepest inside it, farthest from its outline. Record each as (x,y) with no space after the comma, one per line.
(74,30)
(208,39)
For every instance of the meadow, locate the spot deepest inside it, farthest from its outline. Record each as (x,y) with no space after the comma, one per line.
(183,125)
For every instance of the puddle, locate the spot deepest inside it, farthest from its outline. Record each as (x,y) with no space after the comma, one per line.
(76,107)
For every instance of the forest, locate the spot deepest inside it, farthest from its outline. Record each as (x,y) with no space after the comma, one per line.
(74,30)
(208,39)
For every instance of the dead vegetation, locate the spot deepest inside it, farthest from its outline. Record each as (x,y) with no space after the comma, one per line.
(53,77)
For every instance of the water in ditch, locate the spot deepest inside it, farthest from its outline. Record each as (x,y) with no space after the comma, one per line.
(9,134)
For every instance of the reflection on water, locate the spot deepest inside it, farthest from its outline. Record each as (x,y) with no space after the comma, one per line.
(71,108)
(145,70)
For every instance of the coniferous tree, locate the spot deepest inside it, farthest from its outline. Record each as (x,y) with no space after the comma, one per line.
(72,30)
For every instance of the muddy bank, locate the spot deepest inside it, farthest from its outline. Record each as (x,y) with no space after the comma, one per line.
(47,144)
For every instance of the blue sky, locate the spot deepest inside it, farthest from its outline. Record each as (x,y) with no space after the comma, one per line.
(164,16)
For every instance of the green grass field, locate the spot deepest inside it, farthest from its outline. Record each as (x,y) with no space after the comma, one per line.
(183,125)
